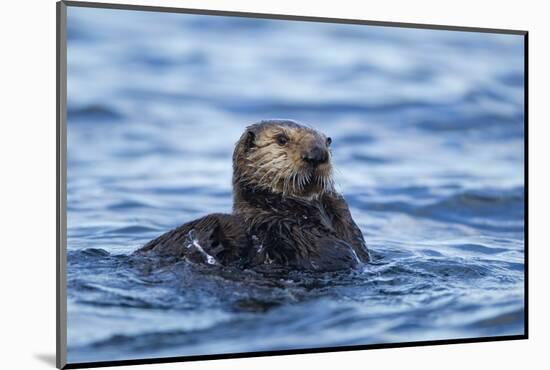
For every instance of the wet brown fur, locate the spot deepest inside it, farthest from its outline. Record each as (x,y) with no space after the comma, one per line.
(285,209)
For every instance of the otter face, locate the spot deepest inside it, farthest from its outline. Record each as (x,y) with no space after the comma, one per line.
(284,157)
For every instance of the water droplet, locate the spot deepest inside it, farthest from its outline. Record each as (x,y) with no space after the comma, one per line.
(193,242)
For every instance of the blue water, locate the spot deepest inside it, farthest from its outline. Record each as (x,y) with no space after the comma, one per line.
(427,131)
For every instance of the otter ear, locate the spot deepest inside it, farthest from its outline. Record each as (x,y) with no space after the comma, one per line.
(249,140)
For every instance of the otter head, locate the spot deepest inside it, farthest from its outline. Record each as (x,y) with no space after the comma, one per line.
(282,156)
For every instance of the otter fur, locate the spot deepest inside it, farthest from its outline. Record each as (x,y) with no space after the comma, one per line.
(286,211)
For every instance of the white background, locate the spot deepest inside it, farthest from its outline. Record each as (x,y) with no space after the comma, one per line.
(27,173)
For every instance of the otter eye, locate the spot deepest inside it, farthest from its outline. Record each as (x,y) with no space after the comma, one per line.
(329,141)
(282,139)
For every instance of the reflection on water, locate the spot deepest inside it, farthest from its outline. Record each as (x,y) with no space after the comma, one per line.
(427,131)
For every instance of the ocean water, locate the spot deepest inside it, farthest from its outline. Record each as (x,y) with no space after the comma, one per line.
(428,146)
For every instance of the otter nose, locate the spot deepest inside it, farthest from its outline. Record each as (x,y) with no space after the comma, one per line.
(315,156)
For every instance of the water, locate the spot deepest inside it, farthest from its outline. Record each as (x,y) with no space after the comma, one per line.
(427,131)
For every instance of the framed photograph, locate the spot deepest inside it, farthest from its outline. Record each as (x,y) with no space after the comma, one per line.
(235,184)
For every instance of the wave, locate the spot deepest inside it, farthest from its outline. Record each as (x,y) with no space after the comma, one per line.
(390,295)
(490,209)
(95,112)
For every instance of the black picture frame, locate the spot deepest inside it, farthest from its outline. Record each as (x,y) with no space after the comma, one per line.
(61,185)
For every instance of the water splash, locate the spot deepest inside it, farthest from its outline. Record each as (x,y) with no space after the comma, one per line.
(257,244)
(192,242)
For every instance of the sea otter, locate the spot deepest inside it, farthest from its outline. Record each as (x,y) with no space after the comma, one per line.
(286,211)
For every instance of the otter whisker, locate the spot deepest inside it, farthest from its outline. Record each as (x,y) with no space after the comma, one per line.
(336,183)
(296,180)
(275,181)
(286,182)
